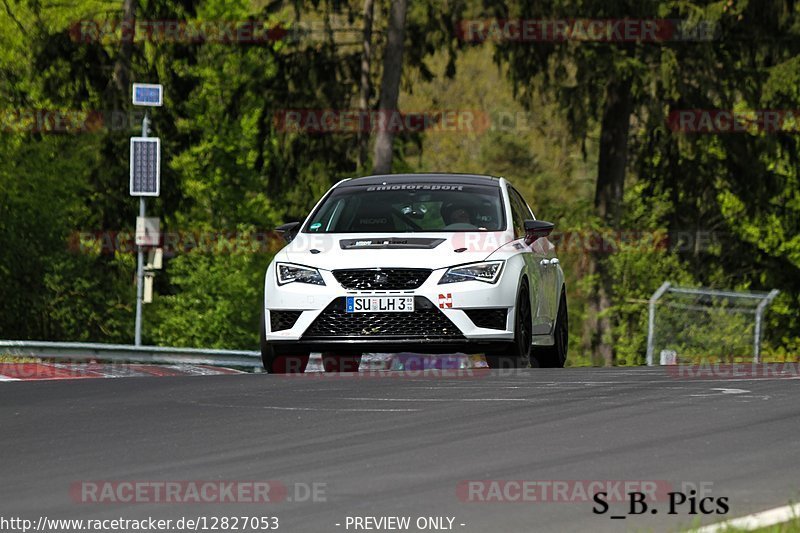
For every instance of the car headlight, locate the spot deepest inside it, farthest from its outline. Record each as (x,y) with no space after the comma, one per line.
(301,274)
(488,272)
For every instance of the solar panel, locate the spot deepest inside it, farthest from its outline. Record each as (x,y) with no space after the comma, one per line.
(145,166)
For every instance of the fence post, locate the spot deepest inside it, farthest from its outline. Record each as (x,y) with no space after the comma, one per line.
(651,324)
(759,312)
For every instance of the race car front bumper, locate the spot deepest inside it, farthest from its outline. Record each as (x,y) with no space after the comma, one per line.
(446,318)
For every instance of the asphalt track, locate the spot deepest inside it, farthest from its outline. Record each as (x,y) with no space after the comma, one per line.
(399,445)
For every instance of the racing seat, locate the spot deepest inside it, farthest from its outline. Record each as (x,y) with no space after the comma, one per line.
(373,219)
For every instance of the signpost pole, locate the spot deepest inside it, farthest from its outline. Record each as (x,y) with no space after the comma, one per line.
(140,261)
(145,181)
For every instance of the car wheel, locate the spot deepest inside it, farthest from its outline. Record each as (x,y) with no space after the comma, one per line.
(555,356)
(341,361)
(280,363)
(516,354)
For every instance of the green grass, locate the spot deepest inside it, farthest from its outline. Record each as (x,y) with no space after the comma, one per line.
(793,526)
(10,358)
(790,526)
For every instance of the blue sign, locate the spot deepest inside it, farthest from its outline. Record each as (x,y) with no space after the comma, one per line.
(148,94)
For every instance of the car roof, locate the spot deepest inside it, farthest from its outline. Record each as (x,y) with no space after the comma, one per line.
(461,179)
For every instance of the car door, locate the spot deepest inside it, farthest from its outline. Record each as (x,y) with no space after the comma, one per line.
(537,263)
(551,288)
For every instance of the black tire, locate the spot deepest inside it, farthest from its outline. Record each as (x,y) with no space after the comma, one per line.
(341,361)
(276,362)
(555,356)
(266,351)
(516,354)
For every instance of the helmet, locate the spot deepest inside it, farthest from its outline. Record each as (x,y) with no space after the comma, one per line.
(455,212)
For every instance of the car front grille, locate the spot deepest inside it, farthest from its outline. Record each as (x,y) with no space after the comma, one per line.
(382,279)
(488,318)
(426,322)
(279,320)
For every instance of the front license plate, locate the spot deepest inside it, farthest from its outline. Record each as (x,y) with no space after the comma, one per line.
(380,304)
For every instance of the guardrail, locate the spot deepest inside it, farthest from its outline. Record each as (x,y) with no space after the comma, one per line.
(125,353)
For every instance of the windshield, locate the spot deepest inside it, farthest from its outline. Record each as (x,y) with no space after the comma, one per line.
(408,208)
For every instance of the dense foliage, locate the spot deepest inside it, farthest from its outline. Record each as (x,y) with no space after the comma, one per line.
(711,209)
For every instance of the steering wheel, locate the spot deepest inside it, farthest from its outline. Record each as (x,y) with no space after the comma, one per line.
(460,225)
(407,219)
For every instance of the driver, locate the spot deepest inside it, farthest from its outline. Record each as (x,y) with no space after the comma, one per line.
(453,213)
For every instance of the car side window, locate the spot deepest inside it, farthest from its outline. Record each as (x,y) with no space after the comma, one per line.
(327,218)
(519,212)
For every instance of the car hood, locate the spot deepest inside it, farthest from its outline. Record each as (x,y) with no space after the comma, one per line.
(385,250)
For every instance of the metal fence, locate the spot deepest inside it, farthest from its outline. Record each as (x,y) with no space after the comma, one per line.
(124,353)
(698,323)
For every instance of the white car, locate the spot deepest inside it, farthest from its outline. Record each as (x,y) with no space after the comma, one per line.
(424,263)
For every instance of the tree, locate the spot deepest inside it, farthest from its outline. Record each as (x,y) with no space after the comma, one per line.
(596,85)
(707,178)
(390,84)
(365,83)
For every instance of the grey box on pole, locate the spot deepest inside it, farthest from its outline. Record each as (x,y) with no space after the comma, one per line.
(145,166)
(147,297)
(148,231)
(155,259)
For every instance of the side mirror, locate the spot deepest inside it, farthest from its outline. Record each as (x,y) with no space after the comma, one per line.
(535,229)
(289,230)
